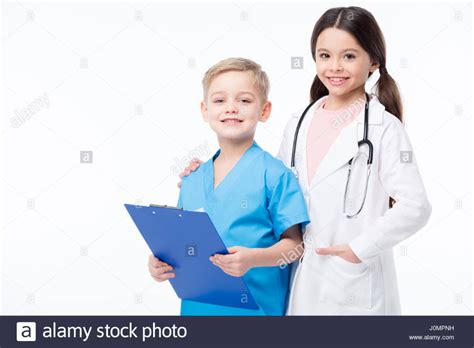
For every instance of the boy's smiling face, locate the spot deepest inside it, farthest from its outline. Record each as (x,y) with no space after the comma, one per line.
(233,105)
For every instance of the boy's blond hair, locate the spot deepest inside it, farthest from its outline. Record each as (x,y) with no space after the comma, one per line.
(238,64)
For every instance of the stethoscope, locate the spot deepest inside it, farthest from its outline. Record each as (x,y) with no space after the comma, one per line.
(364,141)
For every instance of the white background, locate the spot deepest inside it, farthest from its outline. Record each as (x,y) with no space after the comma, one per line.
(124,81)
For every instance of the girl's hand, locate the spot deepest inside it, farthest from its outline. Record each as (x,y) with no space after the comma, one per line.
(343,250)
(159,270)
(192,166)
(237,262)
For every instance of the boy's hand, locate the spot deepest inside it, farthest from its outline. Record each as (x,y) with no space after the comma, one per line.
(192,166)
(159,270)
(237,262)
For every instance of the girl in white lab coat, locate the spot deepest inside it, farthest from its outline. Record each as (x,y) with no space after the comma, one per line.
(348,265)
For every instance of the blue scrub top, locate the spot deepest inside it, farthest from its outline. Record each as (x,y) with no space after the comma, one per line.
(253,206)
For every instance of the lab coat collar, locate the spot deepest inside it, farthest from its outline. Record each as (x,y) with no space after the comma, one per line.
(345,146)
(376,110)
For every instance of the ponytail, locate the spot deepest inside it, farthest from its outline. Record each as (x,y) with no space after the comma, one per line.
(389,95)
(318,89)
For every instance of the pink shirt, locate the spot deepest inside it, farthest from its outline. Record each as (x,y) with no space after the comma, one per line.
(324,130)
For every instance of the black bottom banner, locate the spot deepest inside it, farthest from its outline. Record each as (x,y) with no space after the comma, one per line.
(169,331)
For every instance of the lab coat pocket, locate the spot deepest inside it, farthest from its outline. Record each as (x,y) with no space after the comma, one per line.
(346,284)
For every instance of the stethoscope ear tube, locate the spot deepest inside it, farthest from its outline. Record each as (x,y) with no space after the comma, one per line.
(371,150)
(365,140)
(350,216)
(295,137)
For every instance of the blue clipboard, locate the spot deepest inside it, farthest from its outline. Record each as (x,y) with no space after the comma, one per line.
(185,240)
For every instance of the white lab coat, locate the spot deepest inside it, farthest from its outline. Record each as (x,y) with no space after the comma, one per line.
(329,284)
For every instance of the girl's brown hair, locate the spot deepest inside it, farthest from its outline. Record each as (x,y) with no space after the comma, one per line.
(361,24)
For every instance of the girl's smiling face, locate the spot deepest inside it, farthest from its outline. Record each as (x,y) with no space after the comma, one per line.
(342,65)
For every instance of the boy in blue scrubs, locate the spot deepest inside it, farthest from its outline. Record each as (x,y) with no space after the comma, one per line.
(253,200)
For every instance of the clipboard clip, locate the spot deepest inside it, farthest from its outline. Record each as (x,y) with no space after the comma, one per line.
(165,206)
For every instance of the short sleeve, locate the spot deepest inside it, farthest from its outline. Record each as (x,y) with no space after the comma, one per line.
(183,192)
(286,203)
